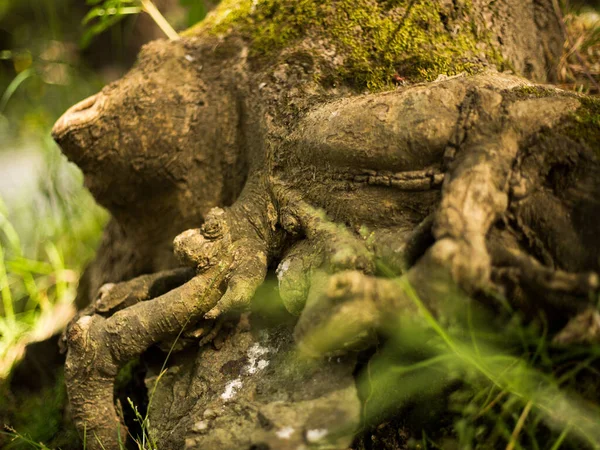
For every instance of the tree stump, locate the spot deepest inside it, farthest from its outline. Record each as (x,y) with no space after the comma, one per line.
(354,148)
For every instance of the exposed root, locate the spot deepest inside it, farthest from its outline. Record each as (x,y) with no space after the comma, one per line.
(331,272)
(114,297)
(532,273)
(581,329)
(345,310)
(229,255)
(99,347)
(327,246)
(237,233)
(398,249)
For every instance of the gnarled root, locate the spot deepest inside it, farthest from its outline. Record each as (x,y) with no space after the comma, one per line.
(449,250)
(113,297)
(230,258)
(326,246)
(243,238)
(99,347)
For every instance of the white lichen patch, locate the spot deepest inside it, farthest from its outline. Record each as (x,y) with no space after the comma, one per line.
(255,364)
(282,269)
(285,433)
(316,435)
(262,364)
(255,361)
(231,389)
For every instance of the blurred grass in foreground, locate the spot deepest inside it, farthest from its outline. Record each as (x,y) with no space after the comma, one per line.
(45,240)
(49,224)
(471,378)
(498,387)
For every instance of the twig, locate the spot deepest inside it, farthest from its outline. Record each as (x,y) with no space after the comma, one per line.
(519,426)
(491,404)
(160,20)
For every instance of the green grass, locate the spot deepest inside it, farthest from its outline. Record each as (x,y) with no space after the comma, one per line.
(39,420)
(50,228)
(45,240)
(49,231)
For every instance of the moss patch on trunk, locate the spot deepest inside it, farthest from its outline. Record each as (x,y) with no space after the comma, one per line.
(380,43)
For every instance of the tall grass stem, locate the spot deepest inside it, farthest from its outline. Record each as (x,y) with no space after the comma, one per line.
(160,20)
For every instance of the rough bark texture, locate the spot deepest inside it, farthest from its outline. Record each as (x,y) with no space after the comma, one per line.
(312,136)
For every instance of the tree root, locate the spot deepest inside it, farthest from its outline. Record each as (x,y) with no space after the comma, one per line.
(330,274)
(531,272)
(114,297)
(99,347)
(229,254)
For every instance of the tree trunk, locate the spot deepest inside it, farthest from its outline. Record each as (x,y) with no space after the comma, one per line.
(358,145)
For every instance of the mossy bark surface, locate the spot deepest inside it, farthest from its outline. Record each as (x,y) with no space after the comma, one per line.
(353,146)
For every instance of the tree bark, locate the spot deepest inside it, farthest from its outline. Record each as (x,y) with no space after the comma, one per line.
(344,142)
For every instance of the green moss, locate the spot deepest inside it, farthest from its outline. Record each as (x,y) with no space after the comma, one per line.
(581,126)
(528,91)
(40,417)
(380,41)
(584,124)
(126,374)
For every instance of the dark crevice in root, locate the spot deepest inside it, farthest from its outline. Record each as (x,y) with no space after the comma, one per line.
(130,386)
